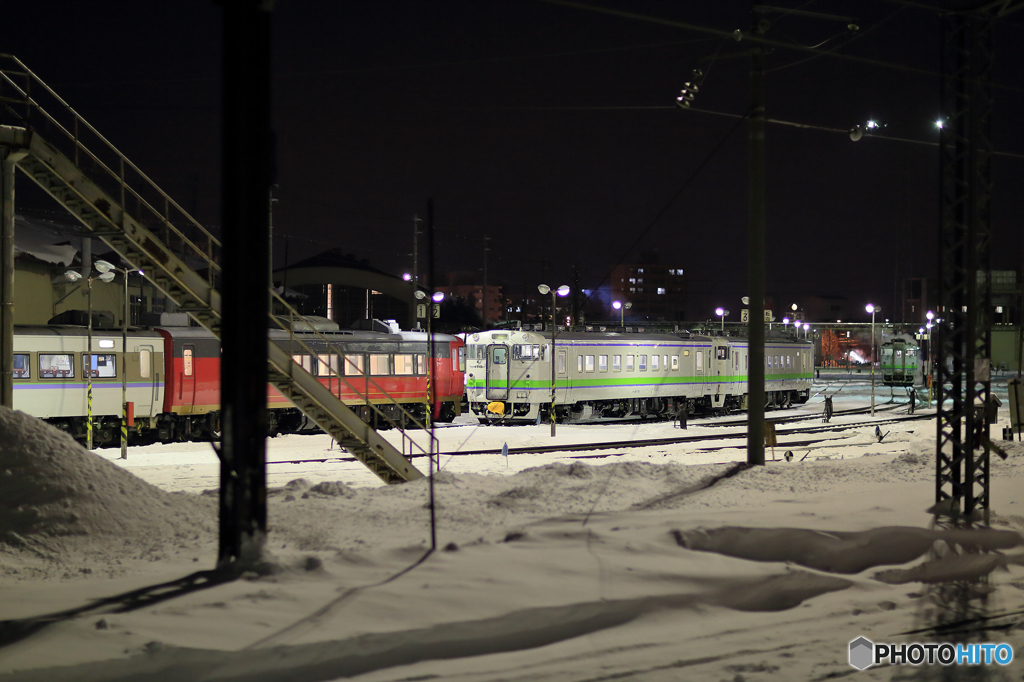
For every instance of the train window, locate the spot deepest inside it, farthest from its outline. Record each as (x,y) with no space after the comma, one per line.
(55,366)
(777,365)
(629,363)
(404,364)
(654,363)
(499,355)
(602,363)
(145,362)
(700,361)
(186,357)
(461,367)
(103,366)
(562,362)
(21,366)
(722,352)
(590,363)
(616,363)
(380,363)
(675,362)
(641,363)
(327,365)
(421,363)
(664,362)
(303,361)
(522,352)
(354,365)
(579,363)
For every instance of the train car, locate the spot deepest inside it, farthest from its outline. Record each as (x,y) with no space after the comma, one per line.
(365,368)
(50,379)
(612,374)
(174,378)
(899,362)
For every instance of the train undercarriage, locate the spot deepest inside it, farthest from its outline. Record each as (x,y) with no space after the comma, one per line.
(642,408)
(170,428)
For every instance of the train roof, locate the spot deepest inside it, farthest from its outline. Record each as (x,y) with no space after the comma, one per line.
(514,335)
(78,330)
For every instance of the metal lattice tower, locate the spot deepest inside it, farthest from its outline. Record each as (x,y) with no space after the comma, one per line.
(964,334)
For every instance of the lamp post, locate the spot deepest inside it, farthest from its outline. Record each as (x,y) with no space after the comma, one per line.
(622,308)
(436,297)
(105,276)
(722,312)
(105,267)
(872,309)
(561,291)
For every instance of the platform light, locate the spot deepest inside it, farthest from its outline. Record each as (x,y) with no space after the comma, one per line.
(561,291)
(939,124)
(437,297)
(871,125)
(871,308)
(407,277)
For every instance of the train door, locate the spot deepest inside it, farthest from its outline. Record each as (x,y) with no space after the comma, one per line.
(721,371)
(497,372)
(146,374)
(187,385)
(698,366)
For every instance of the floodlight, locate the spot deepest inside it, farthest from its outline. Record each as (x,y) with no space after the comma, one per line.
(103,267)
(72,276)
(564,290)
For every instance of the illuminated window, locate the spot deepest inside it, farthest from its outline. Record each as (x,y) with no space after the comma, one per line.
(327,365)
(21,366)
(55,367)
(616,363)
(602,363)
(642,363)
(354,365)
(380,364)
(103,366)
(404,364)
(590,363)
(186,357)
(654,363)
(145,361)
(661,290)
(629,363)
(675,362)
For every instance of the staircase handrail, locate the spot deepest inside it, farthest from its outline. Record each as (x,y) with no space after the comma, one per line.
(120,180)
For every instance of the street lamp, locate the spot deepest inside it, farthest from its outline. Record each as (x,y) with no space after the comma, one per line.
(872,309)
(622,308)
(107,268)
(561,291)
(722,312)
(104,276)
(436,297)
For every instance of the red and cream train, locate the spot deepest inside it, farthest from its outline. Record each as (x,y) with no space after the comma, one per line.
(174,378)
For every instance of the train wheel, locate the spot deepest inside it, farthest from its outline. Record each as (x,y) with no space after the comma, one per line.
(213,428)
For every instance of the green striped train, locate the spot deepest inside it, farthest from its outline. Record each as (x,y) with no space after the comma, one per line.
(899,362)
(621,374)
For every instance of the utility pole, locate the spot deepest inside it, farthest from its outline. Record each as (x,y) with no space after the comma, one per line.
(415,253)
(755,323)
(483,294)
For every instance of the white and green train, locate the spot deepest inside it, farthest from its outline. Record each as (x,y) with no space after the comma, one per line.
(616,374)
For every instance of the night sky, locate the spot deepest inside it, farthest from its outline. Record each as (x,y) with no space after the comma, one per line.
(552,130)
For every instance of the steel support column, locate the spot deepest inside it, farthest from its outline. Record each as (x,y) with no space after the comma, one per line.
(964,334)
(755,272)
(248,164)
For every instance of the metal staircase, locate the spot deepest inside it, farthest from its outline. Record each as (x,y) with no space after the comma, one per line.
(118,204)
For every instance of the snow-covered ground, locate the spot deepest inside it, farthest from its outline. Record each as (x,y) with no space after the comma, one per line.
(631,563)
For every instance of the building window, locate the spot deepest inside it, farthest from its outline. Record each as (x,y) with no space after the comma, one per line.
(661,290)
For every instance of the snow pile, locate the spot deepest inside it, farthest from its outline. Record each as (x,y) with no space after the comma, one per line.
(61,505)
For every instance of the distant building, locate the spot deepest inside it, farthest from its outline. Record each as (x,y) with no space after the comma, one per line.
(656,291)
(344,289)
(464,284)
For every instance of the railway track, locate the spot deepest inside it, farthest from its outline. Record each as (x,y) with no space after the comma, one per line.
(654,442)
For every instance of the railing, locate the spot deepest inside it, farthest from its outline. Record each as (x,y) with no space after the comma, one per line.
(364,397)
(26,101)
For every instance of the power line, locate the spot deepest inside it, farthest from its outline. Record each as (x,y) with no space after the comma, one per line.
(737,35)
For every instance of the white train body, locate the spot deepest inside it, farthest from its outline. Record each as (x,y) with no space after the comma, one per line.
(615,374)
